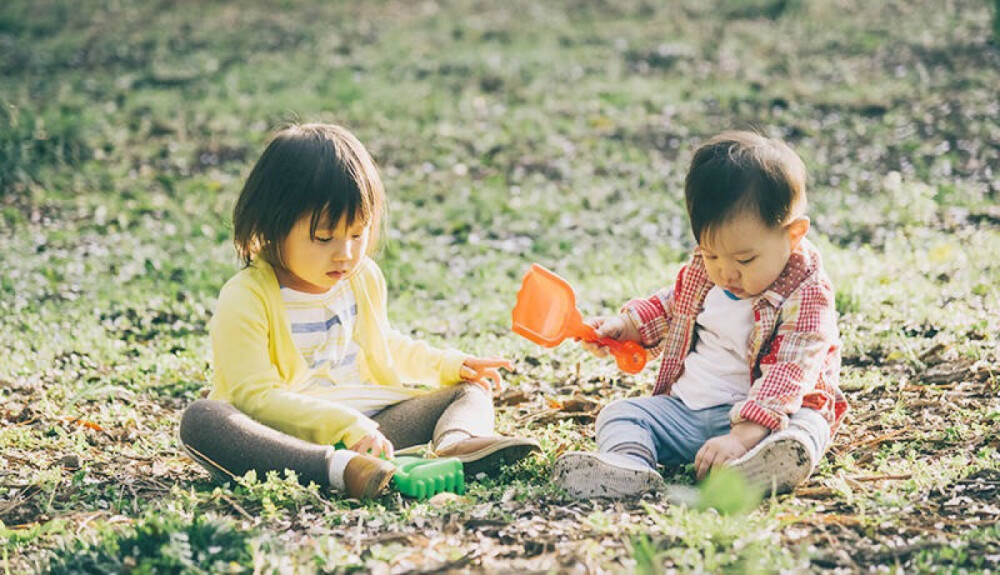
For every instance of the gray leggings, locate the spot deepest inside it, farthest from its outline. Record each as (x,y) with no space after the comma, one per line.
(228,443)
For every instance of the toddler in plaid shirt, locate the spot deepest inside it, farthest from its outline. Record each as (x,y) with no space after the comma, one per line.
(748,335)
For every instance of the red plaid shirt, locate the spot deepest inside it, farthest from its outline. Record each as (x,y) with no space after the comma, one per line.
(794,352)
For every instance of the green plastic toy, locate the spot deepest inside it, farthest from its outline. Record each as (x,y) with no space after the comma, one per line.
(421,478)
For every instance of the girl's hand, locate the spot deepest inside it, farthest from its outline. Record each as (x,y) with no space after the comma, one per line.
(618,328)
(482,370)
(375,444)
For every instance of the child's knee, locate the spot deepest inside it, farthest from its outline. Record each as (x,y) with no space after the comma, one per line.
(200,415)
(616,411)
(475,398)
(465,389)
(812,424)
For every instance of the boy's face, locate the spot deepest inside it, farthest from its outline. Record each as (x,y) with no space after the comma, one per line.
(745,256)
(314,264)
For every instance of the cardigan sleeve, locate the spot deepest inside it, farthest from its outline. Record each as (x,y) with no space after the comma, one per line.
(251,380)
(416,361)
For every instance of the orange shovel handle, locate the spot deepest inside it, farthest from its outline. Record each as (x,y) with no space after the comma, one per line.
(631,356)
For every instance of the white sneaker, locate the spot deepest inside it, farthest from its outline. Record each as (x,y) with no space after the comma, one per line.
(778,463)
(590,474)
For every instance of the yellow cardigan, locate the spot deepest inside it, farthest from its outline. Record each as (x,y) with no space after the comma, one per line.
(257,364)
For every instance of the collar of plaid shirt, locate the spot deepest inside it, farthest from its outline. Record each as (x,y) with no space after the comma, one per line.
(689,297)
(803,263)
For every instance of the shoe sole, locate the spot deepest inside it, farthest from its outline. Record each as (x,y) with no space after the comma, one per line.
(776,467)
(584,476)
(490,460)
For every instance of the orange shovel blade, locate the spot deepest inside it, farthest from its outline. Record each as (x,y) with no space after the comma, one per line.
(546,314)
(545,308)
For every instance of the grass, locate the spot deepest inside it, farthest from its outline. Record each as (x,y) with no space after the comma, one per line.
(507,134)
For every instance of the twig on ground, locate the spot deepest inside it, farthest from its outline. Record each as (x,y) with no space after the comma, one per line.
(815,520)
(239,509)
(815,492)
(861,478)
(894,434)
(19,499)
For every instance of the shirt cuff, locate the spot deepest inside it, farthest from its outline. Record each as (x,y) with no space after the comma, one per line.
(647,316)
(453,362)
(754,413)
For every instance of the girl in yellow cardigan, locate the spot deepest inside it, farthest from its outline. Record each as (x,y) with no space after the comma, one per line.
(304,356)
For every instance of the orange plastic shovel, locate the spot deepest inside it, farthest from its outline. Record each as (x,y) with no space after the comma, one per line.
(546,314)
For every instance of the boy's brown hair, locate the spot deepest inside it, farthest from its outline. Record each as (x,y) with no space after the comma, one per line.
(320,170)
(739,170)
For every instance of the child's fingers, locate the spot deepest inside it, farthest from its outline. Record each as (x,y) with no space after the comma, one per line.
(494,375)
(362,446)
(612,328)
(489,381)
(504,363)
(714,457)
(723,459)
(376,445)
(595,348)
(702,470)
(703,461)
(387,448)
(485,373)
(491,362)
(485,386)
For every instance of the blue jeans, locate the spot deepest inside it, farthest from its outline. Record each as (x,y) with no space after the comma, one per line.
(662,429)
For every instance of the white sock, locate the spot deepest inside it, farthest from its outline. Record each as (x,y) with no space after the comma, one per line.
(451,437)
(338,463)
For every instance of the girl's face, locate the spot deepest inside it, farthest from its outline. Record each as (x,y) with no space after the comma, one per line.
(745,256)
(314,264)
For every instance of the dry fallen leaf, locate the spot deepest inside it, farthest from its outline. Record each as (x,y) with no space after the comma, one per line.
(445,498)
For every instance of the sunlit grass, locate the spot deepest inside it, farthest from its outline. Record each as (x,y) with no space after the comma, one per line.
(507,134)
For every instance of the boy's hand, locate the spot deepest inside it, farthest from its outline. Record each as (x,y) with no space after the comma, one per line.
(717,451)
(724,448)
(375,444)
(619,328)
(483,370)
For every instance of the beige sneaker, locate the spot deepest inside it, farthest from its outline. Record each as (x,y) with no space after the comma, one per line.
(488,454)
(591,474)
(778,464)
(366,476)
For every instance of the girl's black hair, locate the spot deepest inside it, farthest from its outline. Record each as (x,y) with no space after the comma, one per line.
(319,170)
